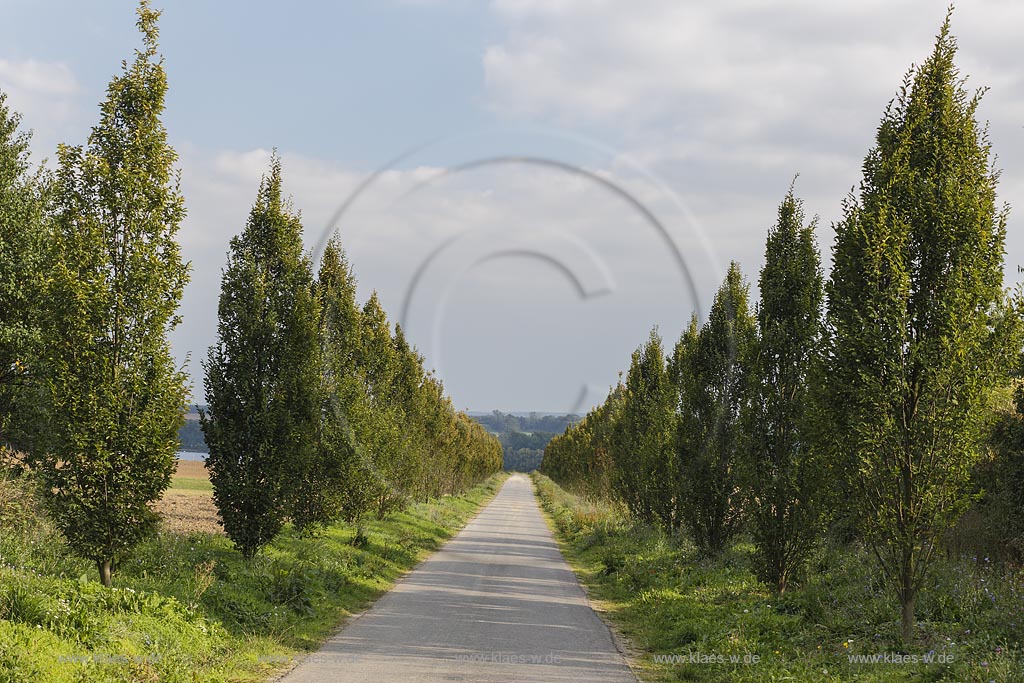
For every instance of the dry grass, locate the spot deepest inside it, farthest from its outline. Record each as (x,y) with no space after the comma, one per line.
(192,469)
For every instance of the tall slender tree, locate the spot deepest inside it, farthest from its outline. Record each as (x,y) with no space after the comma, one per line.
(345,469)
(262,375)
(920,331)
(113,397)
(642,449)
(712,388)
(408,395)
(782,470)
(23,195)
(383,428)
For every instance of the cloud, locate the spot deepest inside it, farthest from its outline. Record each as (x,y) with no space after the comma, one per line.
(657,59)
(44,93)
(508,301)
(44,78)
(728,101)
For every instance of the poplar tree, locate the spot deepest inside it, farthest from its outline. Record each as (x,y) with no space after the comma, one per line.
(113,397)
(782,471)
(23,195)
(712,374)
(440,434)
(643,437)
(408,395)
(262,376)
(345,471)
(920,328)
(383,427)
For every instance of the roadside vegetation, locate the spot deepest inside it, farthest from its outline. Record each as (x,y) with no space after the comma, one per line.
(186,606)
(680,609)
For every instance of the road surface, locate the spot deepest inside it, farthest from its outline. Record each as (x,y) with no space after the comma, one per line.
(497,603)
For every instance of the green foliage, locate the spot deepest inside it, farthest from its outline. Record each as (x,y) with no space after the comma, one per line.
(709,367)
(497,421)
(22,244)
(581,457)
(317,409)
(995,527)
(782,472)
(524,437)
(111,396)
(642,438)
(384,431)
(920,328)
(342,476)
(262,382)
(884,429)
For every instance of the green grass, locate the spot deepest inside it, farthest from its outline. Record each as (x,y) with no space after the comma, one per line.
(191,484)
(190,608)
(667,602)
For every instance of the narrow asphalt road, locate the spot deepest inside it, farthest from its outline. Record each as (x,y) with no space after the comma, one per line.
(497,603)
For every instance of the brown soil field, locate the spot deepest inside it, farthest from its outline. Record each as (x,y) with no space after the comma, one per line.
(185,510)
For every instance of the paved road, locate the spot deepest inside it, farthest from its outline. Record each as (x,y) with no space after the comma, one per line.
(497,603)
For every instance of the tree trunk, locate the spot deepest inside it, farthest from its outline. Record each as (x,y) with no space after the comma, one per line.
(907,617)
(104,568)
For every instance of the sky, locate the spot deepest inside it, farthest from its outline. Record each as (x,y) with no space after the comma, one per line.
(529,185)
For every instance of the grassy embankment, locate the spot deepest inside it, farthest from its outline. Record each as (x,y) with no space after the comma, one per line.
(186,606)
(668,602)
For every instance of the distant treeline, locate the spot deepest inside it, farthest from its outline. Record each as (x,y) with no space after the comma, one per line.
(522,437)
(190,436)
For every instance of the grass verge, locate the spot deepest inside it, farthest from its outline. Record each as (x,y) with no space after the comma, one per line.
(696,620)
(186,606)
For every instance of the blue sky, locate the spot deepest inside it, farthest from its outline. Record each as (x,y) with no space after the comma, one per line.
(562,158)
(251,72)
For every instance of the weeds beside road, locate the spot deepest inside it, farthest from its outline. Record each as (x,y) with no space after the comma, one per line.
(187,606)
(701,620)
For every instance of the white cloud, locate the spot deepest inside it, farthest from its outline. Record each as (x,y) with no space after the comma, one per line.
(393,228)
(43,78)
(44,93)
(727,101)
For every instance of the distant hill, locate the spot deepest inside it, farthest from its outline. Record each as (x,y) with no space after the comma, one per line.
(191,434)
(523,436)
